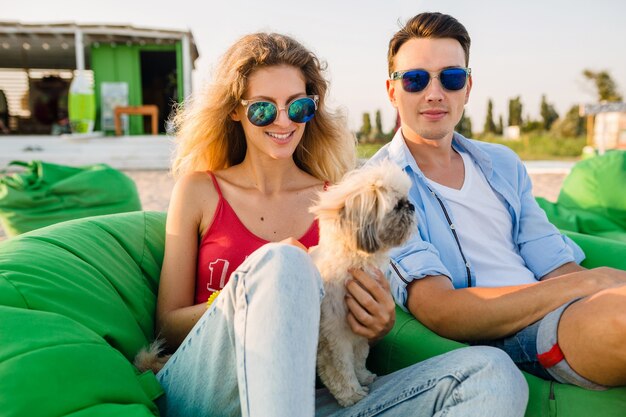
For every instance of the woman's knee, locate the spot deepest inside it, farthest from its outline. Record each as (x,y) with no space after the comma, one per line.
(488,357)
(506,383)
(284,252)
(286,267)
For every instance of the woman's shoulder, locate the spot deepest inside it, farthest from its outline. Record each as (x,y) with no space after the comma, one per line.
(194,186)
(194,200)
(195,180)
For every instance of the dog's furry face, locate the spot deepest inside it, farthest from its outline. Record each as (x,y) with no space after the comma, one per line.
(368,209)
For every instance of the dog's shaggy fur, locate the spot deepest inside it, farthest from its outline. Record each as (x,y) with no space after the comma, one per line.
(360,220)
(152,357)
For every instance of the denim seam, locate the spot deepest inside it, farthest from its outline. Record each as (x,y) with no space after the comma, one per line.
(404,395)
(244,378)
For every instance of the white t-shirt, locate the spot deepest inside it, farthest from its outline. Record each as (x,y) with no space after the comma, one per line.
(484,227)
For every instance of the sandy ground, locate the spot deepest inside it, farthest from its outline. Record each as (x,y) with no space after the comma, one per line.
(155,188)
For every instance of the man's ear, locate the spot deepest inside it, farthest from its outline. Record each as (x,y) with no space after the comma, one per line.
(391,92)
(469,88)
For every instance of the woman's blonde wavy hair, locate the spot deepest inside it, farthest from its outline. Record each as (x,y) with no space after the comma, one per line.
(208,139)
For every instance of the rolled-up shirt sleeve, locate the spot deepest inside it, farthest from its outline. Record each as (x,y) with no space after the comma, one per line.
(540,243)
(415,260)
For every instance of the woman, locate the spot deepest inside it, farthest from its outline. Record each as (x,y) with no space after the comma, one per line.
(253,152)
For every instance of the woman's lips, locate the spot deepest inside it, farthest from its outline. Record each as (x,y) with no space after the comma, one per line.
(280,138)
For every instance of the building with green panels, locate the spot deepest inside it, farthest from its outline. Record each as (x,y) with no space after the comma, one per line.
(134,66)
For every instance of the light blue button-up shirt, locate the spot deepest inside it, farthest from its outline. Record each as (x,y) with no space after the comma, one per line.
(435,249)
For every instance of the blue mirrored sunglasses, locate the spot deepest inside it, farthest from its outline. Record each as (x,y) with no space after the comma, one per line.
(263,113)
(416,80)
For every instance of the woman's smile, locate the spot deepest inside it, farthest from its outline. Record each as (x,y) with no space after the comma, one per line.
(280,138)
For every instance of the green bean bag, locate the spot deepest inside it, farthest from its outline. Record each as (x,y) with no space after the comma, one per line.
(410,342)
(592,199)
(43,193)
(77,302)
(598,185)
(582,221)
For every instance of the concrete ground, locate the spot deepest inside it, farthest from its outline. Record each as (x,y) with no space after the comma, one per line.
(121,152)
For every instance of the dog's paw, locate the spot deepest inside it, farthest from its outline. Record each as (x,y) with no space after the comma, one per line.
(365,377)
(348,397)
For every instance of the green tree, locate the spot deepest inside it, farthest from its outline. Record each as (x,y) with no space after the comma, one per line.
(464,127)
(500,127)
(515,111)
(379,123)
(548,113)
(366,127)
(377,133)
(605,86)
(572,125)
(490,126)
(531,125)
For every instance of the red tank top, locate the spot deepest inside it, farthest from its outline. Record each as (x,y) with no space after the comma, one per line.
(226,244)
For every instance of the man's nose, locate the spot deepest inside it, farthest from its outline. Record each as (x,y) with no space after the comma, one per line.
(434,90)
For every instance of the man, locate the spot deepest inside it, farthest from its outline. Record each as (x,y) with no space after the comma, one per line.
(486,267)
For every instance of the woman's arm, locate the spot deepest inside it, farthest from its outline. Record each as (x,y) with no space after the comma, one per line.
(193,199)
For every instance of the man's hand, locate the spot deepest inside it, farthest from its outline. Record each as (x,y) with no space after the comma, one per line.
(596,279)
(371,309)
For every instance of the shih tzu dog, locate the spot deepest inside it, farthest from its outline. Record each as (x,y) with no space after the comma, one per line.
(360,219)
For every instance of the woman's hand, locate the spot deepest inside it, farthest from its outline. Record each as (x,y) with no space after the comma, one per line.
(294,242)
(371,309)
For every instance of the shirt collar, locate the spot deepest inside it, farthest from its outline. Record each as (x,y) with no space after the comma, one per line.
(400,154)
(460,143)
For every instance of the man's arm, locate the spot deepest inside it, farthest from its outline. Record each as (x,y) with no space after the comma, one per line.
(562,270)
(471,314)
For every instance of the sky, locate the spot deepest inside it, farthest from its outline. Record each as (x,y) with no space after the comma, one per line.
(526,48)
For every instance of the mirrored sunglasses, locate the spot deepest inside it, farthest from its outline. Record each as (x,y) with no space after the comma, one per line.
(416,80)
(263,113)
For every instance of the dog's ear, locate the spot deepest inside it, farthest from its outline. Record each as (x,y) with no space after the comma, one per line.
(365,219)
(367,238)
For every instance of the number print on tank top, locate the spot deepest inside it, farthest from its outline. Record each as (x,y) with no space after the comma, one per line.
(219,272)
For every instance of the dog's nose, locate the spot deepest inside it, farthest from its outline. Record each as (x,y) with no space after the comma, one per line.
(411,206)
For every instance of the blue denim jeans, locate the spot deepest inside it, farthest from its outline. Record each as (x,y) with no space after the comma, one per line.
(253,354)
(540,337)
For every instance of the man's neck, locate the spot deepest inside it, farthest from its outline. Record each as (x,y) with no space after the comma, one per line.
(429,152)
(437,160)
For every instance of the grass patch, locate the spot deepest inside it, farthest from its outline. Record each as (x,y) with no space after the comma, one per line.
(367,150)
(542,147)
(530,147)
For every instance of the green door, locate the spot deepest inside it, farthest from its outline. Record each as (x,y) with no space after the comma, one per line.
(122,63)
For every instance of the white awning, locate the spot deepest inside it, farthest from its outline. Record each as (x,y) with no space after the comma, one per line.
(52,45)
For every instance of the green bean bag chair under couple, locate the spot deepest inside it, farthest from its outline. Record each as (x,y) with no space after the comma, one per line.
(77,301)
(592,199)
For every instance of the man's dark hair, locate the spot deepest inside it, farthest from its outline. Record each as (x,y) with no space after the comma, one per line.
(429,25)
